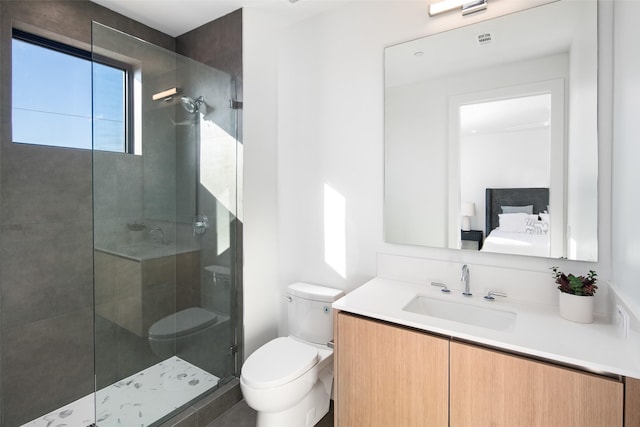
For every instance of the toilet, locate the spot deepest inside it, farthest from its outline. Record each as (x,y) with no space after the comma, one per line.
(289,380)
(192,333)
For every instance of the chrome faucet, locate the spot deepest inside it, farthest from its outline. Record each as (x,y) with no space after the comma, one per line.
(160,232)
(464,278)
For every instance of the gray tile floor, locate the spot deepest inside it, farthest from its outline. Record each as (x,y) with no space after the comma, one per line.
(240,415)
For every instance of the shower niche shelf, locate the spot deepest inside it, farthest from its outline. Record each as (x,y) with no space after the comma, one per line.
(134,294)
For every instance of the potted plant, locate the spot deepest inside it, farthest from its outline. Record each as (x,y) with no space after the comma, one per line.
(576,300)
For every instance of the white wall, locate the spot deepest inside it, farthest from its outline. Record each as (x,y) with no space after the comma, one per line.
(260,292)
(326,83)
(330,125)
(626,152)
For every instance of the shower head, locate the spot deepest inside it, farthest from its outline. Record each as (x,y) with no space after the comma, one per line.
(192,105)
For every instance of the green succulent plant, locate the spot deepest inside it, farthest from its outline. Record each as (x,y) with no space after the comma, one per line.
(576,285)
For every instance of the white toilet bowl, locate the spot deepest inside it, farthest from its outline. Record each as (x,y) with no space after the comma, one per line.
(289,380)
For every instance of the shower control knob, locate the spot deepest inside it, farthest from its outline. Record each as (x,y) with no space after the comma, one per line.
(200,225)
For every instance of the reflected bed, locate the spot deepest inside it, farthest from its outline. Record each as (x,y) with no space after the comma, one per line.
(517,221)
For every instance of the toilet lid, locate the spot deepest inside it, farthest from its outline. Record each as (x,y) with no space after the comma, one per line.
(278,362)
(182,323)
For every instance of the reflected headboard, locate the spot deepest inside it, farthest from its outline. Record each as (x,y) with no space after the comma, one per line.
(498,197)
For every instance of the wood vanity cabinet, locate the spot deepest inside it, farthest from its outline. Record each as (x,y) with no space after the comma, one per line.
(492,388)
(631,402)
(389,376)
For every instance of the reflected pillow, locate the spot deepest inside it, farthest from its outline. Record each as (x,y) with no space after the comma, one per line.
(517,209)
(536,226)
(513,222)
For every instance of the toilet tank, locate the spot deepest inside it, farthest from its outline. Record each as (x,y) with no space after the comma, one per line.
(310,314)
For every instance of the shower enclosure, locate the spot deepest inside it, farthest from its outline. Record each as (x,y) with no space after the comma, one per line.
(165,233)
(120,277)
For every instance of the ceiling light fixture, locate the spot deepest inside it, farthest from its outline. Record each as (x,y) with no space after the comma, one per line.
(467,6)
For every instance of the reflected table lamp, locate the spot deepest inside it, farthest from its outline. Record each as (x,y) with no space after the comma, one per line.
(467,211)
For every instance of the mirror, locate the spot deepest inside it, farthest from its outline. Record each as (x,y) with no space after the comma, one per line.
(491,135)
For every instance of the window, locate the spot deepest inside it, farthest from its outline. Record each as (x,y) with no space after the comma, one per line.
(52,97)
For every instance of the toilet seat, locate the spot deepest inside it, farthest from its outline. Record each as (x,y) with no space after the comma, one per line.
(278,362)
(183,322)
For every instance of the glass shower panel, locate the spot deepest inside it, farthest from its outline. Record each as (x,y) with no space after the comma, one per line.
(164,236)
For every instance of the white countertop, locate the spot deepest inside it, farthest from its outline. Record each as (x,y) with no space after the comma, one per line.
(539,330)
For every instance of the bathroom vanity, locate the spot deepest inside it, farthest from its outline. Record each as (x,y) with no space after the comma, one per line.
(397,363)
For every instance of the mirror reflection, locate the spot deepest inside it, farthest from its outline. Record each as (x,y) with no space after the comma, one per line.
(491,138)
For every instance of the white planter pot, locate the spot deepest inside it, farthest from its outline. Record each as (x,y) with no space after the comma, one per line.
(577,308)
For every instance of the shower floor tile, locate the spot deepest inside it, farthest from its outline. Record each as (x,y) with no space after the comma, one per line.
(138,400)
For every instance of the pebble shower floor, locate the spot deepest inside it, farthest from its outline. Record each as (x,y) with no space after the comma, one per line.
(138,400)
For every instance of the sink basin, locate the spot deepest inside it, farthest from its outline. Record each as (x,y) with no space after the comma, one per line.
(499,320)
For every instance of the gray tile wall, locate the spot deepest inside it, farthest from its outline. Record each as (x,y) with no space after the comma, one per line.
(217,44)
(128,188)
(46,235)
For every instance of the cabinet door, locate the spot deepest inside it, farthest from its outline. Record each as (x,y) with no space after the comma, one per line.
(491,388)
(632,402)
(389,376)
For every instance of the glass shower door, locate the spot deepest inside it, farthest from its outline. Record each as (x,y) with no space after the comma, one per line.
(165,240)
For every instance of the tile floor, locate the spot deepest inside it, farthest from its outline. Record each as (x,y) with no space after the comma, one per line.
(240,415)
